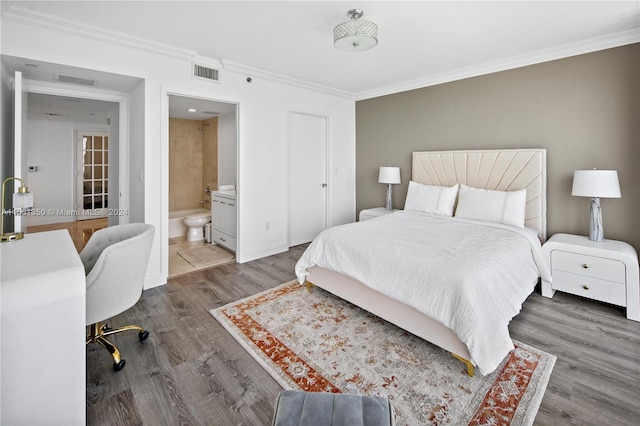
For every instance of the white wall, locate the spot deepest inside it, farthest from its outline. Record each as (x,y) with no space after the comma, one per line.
(6,107)
(50,147)
(136,153)
(4,138)
(113,118)
(227,148)
(262,131)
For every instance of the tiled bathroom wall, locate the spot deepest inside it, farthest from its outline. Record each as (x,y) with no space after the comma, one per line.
(193,162)
(210,154)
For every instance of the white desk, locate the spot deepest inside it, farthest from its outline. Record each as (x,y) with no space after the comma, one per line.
(43,355)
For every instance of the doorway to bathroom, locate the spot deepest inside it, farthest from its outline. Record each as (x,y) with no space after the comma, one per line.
(202,164)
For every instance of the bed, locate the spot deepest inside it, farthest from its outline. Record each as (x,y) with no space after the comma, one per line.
(453,281)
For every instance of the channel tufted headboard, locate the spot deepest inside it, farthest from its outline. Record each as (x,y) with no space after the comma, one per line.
(500,169)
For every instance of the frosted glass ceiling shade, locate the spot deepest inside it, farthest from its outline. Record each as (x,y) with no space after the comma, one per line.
(596,183)
(355,35)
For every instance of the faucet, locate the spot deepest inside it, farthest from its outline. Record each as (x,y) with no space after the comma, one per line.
(204,201)
(208,190)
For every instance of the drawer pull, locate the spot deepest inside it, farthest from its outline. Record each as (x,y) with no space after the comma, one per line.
(222,239)
(586,287)
(585,265)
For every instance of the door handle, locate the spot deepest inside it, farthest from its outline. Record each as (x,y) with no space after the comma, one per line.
(324,185)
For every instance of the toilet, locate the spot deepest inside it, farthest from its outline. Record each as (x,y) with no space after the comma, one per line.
(196,223)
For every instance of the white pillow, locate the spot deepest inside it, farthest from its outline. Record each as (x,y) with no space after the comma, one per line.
(431,199)
(506,207)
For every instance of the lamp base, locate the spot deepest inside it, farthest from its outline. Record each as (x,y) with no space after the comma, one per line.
(389,205)
(596,231)
(4,238)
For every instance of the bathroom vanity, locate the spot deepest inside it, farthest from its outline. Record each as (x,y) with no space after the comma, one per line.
(223,218)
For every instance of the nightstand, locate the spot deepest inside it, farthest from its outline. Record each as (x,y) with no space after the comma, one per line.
(375,212)
(605,271)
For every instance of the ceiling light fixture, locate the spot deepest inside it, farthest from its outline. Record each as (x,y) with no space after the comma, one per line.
(355,35)
(192,110)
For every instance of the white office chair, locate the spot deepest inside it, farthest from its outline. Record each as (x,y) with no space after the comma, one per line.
(115,261)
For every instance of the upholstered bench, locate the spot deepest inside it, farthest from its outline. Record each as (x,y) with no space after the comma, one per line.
(299,408)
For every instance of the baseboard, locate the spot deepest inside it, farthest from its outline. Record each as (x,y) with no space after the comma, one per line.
(280,247)
(154,280)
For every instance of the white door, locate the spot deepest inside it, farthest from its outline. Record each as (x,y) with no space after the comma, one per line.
(19,141)
(307,176)
(92,174)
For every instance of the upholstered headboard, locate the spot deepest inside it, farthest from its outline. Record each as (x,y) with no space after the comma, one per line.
(503,169)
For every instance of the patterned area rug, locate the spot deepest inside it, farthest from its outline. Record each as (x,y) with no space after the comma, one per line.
(314,341)
(206,255)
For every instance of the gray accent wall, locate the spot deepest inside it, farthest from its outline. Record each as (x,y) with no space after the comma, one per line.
(585,110)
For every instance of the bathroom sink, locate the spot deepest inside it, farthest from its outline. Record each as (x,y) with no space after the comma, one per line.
(228,194)
(226,191)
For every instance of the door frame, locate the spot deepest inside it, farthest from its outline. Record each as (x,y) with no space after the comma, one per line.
(19,111)
(45,88)
(327,152)
(81,212)
(165,92)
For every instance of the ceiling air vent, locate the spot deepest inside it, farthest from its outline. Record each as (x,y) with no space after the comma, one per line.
(75,80)
(206,72)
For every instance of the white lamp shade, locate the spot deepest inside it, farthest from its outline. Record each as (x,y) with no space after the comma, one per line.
(596,183)
(389,175)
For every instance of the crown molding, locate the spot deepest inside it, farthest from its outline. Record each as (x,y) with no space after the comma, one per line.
(21,14)
(17,13)
(280,78)
(609,41)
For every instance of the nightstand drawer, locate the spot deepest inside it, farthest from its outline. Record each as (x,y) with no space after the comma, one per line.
(589,266)
(605,291)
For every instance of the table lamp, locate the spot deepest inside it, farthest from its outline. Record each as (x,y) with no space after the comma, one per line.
(22,202)
(596,184)
(390,176)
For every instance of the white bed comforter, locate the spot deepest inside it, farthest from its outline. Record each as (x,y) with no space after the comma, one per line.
(470,276)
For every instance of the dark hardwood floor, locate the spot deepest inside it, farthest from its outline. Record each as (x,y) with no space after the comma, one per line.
(192,372)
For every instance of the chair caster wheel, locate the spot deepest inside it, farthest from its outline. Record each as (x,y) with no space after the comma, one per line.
(143,335)
(117,366)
